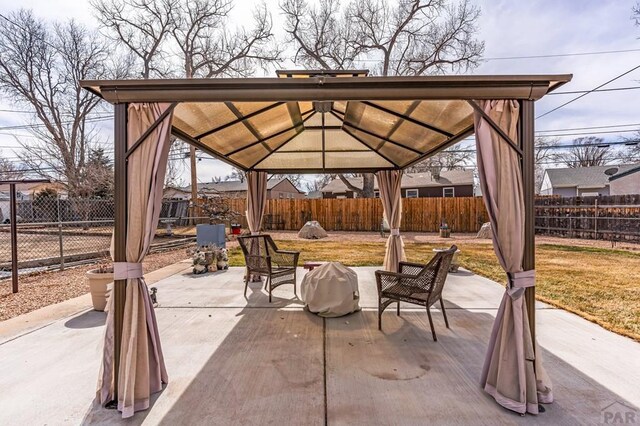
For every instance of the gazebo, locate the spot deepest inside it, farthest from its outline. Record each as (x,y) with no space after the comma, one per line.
(316,122)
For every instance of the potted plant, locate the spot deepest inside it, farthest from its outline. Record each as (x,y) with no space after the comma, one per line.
(445,231)
(99,280)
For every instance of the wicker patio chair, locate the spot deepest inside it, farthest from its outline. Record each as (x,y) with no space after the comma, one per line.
(263,258)
(417,284)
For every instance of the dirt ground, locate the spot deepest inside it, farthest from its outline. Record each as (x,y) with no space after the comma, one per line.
(47,288)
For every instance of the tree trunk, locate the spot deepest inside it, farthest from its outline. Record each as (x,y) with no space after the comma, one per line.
(368,180)
(367,185)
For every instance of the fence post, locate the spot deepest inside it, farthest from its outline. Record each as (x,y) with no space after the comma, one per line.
(60,236)
(595,225)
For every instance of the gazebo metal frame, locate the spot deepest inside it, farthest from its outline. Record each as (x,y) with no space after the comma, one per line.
(322,86)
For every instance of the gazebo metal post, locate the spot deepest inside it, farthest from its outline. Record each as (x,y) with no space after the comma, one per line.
(527,144)
(120,232)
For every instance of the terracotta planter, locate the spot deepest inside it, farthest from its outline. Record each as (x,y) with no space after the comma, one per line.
(99,285)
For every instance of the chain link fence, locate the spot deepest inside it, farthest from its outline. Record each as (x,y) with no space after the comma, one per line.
(55,232)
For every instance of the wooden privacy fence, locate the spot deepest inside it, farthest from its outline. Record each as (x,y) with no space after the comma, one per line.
(613,217)
(462,214)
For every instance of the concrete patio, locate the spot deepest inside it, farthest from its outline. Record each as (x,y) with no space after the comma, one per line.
(233,360)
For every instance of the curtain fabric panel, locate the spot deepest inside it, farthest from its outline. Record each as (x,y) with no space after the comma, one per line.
(142,370)
(511,374)
(256,200)
(389,182)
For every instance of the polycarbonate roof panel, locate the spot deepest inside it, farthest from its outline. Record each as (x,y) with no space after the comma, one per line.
(293,161)
(339,160)
(289,135)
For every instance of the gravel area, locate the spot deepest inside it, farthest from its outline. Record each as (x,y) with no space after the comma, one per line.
(47,288)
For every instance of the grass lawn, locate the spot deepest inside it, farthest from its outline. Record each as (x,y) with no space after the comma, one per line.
(598,284)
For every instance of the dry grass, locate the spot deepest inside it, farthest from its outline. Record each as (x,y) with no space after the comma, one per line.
(601,285)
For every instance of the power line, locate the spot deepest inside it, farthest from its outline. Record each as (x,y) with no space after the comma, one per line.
(607,126)
(590,91)
(560,55)
(502,58)
(614,89)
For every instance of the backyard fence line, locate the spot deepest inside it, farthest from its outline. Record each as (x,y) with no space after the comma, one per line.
(55,231)
(462,214)
(613,217)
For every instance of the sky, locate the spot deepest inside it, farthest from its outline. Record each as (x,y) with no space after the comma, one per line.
(509,29)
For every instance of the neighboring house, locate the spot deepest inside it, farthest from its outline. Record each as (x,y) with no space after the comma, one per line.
(625,182)
(451,183)
(173,193)
(25,192)
(276,189)
(586,181)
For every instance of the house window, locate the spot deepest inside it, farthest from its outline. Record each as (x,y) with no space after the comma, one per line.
(290,195)
(449,192)
(411,193)
(341,196)
(281,195)
(376,194)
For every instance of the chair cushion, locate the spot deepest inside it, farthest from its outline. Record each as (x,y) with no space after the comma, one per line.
(399,290)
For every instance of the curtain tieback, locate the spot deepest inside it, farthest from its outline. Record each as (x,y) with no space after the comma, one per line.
(395,231)
(127,270)
(518,281)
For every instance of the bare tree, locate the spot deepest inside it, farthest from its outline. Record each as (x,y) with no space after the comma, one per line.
(142,26)
(236,174)
(319,182)
(410,37)
(636,14)
(586,152)
(295,179)
(40,67)
(631,154)
(545,152)
(207,48)
(10,170)
(448,159)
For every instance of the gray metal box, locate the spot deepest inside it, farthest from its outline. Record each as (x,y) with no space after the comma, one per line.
(211,234)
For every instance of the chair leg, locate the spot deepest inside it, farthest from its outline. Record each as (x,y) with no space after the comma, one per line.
(379,314)
(269,286)
(444,313)
(295,285)
(433,330)
(398,309)
(246,283)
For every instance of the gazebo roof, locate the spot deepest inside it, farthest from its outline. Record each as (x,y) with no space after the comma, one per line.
(327,121)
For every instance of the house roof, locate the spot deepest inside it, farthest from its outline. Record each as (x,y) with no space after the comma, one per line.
(33,186)
(622,173)
(412,180)
(331,122)
(235,185)
(584,177)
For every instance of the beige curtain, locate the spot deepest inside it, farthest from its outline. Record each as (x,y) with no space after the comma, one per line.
(511,368)
(142,370)
(389,183)
(256,199)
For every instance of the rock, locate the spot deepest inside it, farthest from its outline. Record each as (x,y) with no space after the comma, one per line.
(485,231)
(312,231)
